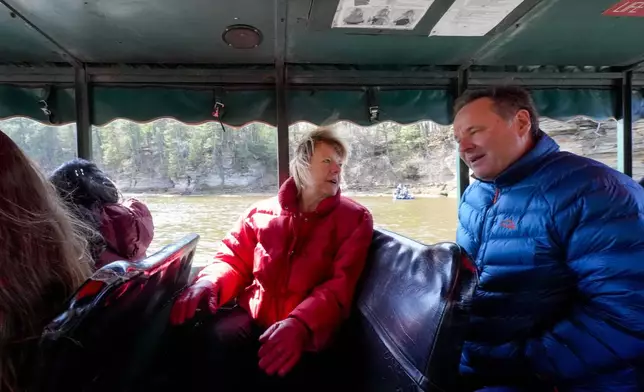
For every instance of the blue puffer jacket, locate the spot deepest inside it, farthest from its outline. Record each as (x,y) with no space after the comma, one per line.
(559,244)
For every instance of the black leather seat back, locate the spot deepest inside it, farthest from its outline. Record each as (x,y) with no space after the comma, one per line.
(407,330)
(113,323)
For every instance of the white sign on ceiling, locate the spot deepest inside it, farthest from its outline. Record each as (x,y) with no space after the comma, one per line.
(473,18)
(380,14)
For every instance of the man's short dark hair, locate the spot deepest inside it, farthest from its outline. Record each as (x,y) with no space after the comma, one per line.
(508,100)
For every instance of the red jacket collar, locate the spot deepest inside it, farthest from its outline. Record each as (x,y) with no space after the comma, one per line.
(289,199)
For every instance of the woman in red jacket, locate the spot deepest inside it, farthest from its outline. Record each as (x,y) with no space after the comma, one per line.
(291,262)
(122,231)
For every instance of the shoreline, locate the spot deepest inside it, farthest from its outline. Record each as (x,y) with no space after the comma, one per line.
(419,191)
(449,195)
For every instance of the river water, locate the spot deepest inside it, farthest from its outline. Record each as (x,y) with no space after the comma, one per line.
(427,220)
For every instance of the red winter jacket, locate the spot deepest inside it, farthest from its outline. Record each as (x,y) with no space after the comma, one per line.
(279,262)
(127,229)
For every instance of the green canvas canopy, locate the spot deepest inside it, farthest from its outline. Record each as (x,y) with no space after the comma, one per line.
(321,61)
(155,58)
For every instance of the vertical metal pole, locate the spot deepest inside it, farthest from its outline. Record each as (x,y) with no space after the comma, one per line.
(625,127)
(83,124)
(280,90)
(282,128)
(462,171)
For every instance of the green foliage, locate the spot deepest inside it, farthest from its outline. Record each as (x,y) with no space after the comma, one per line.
(48,146)
(163,153)
(171,152)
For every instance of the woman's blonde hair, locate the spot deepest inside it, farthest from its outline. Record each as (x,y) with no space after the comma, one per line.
(301,162)
(43,260)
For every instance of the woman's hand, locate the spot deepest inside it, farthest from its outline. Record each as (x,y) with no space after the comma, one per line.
(282,346)
(202,292)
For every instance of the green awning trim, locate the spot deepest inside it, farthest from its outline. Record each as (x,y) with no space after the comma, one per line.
(401,106)
(315,106)
(563,104)
(24,102)
(189,106)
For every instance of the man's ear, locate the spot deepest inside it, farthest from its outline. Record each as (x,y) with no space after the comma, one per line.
(523,122)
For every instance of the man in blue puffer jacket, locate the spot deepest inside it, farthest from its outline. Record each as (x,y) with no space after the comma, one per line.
(558,240)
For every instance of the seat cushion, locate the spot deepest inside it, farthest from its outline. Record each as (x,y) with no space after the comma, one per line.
(113,323)
(407,329)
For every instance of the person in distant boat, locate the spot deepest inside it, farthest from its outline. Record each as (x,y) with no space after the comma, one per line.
(397,191)
(125,230)
(558,240)
(292,263)
(43,261)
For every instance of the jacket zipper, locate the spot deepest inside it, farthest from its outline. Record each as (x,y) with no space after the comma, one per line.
(485,234)
(281,292)
(295,228)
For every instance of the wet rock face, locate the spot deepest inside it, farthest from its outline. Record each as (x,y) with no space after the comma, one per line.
(597,140)
(582,136)
(586,137)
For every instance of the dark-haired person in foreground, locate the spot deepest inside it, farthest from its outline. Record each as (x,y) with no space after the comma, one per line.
(126,229)
(558,240)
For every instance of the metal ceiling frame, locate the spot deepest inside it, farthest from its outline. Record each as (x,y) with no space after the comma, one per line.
(65,54)
(525,12)
(462,170)
(81,87)
(195,77)
(625,131)
(83,118)
(281,13)
(633,64)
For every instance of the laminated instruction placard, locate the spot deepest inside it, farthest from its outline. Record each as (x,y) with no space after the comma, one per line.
(380,14)
(473,18)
